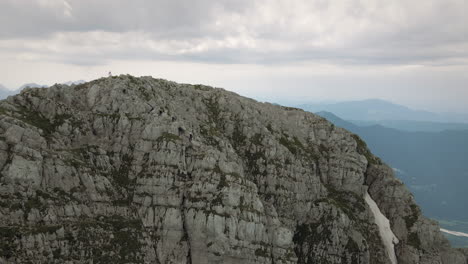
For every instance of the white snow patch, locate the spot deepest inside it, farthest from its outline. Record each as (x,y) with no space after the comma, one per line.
(398,170)
(455,233)
(389,239)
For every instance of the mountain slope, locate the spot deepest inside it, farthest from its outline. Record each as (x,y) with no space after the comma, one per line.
(434,165)
(142,170)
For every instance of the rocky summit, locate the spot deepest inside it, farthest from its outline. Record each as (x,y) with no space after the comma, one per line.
(144,170)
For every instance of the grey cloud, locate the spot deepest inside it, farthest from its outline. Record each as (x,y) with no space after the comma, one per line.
(163,18)
(238,31)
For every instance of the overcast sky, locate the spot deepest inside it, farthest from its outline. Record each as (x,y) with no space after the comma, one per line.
(410,52)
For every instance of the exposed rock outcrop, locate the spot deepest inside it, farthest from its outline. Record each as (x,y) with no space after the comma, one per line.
(143,170)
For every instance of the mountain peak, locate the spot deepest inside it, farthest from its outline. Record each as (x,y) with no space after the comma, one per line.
(149,170)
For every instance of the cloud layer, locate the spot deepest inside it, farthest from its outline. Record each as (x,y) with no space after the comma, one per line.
(90,32)
(411,52)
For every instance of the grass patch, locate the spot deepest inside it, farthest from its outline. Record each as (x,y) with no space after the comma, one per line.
(214,110)
(8,235)
(36,119)
(306,236)
(414,241)
(168,137)
(121,175)
(270,128)
(294,145)
(201,87)
(262,252)
(347,201)
(238,138)
(257,139)
(411,219)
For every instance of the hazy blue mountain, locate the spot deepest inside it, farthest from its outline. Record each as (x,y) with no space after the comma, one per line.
(376,109)
(415,126)
(5,92)
(433,164)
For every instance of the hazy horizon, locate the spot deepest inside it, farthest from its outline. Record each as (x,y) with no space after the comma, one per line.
(409,53)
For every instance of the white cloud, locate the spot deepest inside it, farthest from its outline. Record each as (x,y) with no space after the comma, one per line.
(262,31)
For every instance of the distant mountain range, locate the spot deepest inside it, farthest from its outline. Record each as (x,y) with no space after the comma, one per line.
(414,126)
(378,110)
(5,92)
(433,164)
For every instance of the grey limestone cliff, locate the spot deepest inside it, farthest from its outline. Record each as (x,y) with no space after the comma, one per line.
(143,170)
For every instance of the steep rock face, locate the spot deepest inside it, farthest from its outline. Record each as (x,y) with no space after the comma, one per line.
(143,170)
